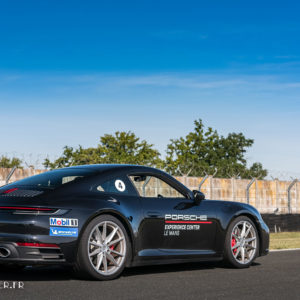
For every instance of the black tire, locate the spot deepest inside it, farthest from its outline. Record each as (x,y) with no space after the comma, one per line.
(229,258)
(83,266)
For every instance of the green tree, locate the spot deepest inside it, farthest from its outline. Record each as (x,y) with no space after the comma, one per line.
(122,147)
(203,151)
(6,162)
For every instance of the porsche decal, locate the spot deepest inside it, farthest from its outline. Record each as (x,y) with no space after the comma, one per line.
(175,224)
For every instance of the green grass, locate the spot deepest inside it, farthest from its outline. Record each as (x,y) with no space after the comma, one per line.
(284,240)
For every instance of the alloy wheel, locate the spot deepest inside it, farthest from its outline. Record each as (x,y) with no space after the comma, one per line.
(243,242)
(106,248)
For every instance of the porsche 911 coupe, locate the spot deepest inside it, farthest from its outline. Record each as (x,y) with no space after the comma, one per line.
(103,218)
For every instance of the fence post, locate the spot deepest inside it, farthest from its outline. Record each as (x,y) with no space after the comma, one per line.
(289,194)
(277,195)
(297,198)
(257,202)
(10,174)
(204,179)
(233,190)
(248,188)
(211,185)
(144,185)
(202,182)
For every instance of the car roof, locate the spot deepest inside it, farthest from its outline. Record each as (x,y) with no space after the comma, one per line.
(114,167)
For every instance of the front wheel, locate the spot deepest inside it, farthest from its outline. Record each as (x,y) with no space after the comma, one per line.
(241,243)
(103,249)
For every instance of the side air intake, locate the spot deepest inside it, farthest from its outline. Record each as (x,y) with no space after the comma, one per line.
(20,193)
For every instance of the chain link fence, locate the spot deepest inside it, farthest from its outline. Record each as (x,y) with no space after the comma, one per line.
(268,196)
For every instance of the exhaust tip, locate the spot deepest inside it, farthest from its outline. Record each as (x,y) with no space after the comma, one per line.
(4,252)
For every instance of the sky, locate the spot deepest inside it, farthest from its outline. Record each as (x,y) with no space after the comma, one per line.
(72,71)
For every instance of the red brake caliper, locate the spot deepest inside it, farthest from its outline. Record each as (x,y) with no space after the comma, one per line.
(112,247)
(233,242)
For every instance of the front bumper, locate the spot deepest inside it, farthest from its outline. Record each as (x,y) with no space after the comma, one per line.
(264,238)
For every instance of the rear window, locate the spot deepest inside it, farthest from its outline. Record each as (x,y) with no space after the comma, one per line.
(53,179)
(114,185)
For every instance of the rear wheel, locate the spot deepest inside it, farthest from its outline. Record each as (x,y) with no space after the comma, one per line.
(103,249)
(241,243)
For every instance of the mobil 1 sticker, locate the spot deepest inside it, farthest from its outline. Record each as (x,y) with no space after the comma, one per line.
(64,222)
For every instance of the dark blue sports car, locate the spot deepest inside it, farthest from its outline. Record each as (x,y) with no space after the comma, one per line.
(103,218)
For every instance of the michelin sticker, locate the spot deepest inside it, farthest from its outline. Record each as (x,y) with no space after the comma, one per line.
(120,185)
(64,222)
(60,231)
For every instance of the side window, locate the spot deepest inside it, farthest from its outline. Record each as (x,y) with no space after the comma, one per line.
(150,186)
(114,185)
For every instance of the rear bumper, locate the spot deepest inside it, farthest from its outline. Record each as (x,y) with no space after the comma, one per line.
(16,229)
(12,253)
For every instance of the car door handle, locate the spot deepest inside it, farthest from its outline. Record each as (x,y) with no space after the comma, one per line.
(111,199)
(153,214)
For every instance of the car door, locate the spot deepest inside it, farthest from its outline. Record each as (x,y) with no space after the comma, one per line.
(173,224)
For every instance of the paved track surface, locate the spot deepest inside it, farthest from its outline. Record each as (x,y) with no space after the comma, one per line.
(276,276)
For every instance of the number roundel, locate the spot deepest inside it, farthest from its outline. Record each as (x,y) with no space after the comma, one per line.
(120,185)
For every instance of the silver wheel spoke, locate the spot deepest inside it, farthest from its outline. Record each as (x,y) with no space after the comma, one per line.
(94,252)
(105,263)
(248,231)
(250,239)
(118,253)
(95,244)
(111,235)
(235,236)
(243,230)
(243,254)
(115,241)
(99,260)
(111,258)
(237,252)
(235,246)
(104,232)
(250,247)
(98,235)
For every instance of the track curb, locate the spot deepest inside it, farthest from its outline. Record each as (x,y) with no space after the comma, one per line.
(283,250)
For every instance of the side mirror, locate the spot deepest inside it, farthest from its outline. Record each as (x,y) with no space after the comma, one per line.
(139,178)
(198,197)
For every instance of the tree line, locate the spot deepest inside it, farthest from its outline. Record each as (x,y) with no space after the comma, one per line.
(202,151)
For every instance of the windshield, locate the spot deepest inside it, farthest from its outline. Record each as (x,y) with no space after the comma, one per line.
(53,179)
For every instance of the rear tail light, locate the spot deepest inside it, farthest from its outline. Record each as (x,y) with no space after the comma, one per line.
(28,210)
(38,245)
(10,191)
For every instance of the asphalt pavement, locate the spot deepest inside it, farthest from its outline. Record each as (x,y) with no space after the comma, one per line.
(276,276)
